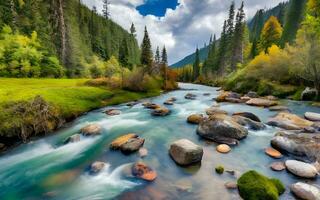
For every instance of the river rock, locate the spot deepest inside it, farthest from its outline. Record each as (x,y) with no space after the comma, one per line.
(273,153)
(223,148)
(278,166)
(261,102)
(289,121)
(132,145)
(190,96)
(172,99)
(305,191)
(248,115)
(97,166)
(252,94)
(142,171)
(279,109)
(253,125)
(185,152)
(116,144)
(312,116)
(151,105)
(131,104)
(143,152)
(235,100)
(302,144)
(301,169)
(161,111)
(206,94)
(91,130)
(214,110)
(113,112)
(71,139)
(168,103)
(195,118)
(231,185)
(308,94)
(221,129)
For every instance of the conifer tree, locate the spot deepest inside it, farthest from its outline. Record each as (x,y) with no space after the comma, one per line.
(222,49)
(124,53)
(230,30)
(146,51)
(106,11)
(157,56)
(164,63)
(270,34)
(210,62)
(257,25)
(196,66)
(133,30)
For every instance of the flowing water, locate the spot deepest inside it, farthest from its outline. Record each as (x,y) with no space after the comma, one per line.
(47,169)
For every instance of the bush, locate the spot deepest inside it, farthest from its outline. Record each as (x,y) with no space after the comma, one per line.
(254,186)
(220,169)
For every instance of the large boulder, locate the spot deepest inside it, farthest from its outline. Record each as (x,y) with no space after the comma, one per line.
(253,185)
(248,115)
(161,111)
(221,129)
(301,169)
(289,121)
(261,102)
(248,122)
(118,142)
(195,118)
(72,139)
(214,110)
(305,191)
(308,94)
(185,152)
(312,116)
(143,171)
(132,145)
(91,130)
(302,144)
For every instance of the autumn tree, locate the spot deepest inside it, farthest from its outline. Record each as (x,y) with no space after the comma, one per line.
(271,33)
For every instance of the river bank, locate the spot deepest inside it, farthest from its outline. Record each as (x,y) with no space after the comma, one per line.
(64,100)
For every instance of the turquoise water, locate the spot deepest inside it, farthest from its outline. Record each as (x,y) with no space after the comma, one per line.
(47,169)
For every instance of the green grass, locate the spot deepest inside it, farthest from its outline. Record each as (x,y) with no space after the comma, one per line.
(71,96)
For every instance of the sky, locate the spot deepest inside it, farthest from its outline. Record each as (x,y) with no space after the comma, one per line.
(180,25)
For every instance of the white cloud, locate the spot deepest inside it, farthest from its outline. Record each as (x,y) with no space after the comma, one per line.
(182,29)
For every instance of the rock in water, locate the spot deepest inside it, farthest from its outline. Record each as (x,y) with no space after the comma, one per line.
(252,94)
(195,118)
(190,96)
(305,191)
(113,112)
(72,139)
(162,111)
(97,166)
(273,153)
(116,144)
(143,152)
(289,121)
(150,105)
(214,110)
(253,185)
(308,94)
(168,103)
(231,185)
(261,102)
(301,169)
(221,128)
(253,125)
(312,116)
(91,130)
(279,109)
(248,115)
(278,166)
(142,171)
(223,148)
(132,145)
(185,152)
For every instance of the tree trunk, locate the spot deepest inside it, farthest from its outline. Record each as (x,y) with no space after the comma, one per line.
(62,30)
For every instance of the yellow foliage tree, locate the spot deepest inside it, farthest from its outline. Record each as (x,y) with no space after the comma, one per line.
(271,33)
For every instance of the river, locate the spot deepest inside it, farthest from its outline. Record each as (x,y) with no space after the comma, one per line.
(47,169)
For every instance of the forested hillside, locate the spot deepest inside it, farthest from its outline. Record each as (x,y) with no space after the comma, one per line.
(63,29)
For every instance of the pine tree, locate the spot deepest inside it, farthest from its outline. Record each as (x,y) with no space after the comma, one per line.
(210,62)
(164,63)
(221,58)
(271,33)
(196,66)
(294,16)
(105,11)
(146,51)
(230,30)
(254,49)
(124,53)
(257,25)
(133,30)
(157,56)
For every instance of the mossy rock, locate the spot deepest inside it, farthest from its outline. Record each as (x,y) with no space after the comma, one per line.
(220,169)
(255,186)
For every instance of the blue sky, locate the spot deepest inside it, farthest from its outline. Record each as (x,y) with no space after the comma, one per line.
(157,7)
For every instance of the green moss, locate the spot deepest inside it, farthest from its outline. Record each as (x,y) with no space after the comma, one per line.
(255,186)
(219,169)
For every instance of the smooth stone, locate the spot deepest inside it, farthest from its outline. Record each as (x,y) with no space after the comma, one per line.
(168,103)
(289,121)
(231,185)
(71,139)
(195,118)
(144,172)
(113,112)
(261,102)
(305,191)
(161,111)
(116,144)
(91,130)
(279,109)
(132,145)
(278,166)
(150,105)
(253,125)
(301,169)
(235,100)
(206,94)
(185,152)
(143,152)
(97,166)
(223,148)
(252,94)
(312,116)
(190,96)
(172,99)
(214,110)
(248,115)
(271,98)
(273,153)
(222,96)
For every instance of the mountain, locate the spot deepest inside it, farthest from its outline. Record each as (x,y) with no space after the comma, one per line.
(255,26)
(70,31)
